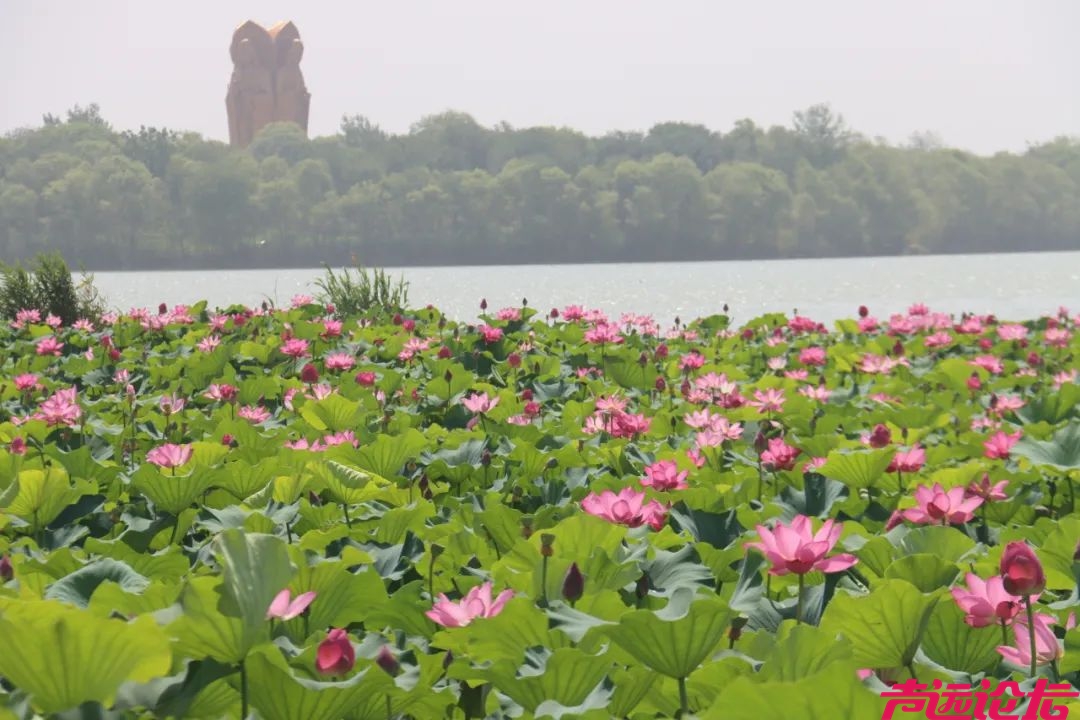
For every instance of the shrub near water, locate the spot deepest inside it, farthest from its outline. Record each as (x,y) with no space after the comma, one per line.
(282,514)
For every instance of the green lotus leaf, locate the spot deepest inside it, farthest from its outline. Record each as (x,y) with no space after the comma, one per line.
(884,627)
(675,640)
(64,657)
(954,644)
(857,470)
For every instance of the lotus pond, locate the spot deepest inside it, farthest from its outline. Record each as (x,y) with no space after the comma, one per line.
(291,515)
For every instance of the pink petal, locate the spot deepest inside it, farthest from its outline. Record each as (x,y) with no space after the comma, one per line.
(836,563)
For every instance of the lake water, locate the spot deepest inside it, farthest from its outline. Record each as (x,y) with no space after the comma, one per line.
(1015,286)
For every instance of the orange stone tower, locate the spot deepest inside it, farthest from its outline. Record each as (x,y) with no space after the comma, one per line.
(267,84)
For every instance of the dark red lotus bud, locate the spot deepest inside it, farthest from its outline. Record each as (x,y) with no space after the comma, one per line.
(387,661)
(973,382)
(526,394)
(573,586)
(7,570)
(554,313)
(444,352)
(227,440)
(114,354)
(660,385)
(483,303)
(162,309)
(880,436)
(1033,359)
(514,360)
(309,374)
(748,334)
(641,589)
(106,341)
(448,376)
(863,311)
(735,631)
(485,459)
(397,319)
(898,349)
(661,351)
(409,325)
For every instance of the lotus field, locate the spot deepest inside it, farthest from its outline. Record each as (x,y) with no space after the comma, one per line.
(288,514)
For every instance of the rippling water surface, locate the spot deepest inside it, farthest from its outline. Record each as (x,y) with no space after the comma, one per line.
(1018,286)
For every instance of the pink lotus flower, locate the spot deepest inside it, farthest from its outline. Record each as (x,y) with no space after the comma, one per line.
(295,348)
(665,475)
(336,655)
(49,346)
(26,381)
(477,603)
(879,437)
(819,393)
(170,455)
(491,334)
(1047,647)
(604,334)
(938,339)
(983,489)
(284,608)
(339,361)
(908,460)
(798,549)
(814,356)
(989,363)
(17,446)
(814,464)
(771,400)
(627,508)
(254,414)
(779,455)
(985,602)
(60,409)
(936,506)
(1000,444)
(691,361)
(171,404)
(222,393)
(479,403)
(1012,332)
(1021,571)
(366,379)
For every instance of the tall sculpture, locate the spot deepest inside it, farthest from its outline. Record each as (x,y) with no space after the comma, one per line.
(267,85)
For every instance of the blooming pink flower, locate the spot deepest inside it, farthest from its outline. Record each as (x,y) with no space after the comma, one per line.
(985,490)
(511,314)
(985,602)
(1057,337)
(339,361)
(691,361)
(819,393)
(771,400)
(331,329)
(367,379)
(17,446)
(284,608)
(1000,444)
(1047,647)
(879,437)
(477,603)
(908,460)
(336,655)
(603,334)
(171,404)
(628,508)
(295,348)
(170,455)
(936,506)
(796,548)
(491,334)
(938,339)
(779,455)
(1012,332)
(208,344)
(60,409)
(301,300)
(221,393)
(480,403)
(26,381)
(814,356)
(665,475)
(49,346)
(814,464)
(254,414)
(989,363)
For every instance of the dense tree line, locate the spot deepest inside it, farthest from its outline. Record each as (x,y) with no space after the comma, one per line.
(453,191)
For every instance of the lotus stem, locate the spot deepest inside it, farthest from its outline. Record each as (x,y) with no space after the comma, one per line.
(243,691)
(1031,634)
(684,701)
(798,601)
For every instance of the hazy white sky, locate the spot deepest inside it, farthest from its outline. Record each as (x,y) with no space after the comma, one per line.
(985,75)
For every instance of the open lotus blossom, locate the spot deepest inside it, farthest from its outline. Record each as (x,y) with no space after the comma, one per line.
(480,403)
(49,346)
(336,655)
(170,455)
(1000,444)
(986,603)
(477,603)
(1047,647)
(665,475)
(797,549)
(779,455)
(60,409)
(771,400)
(983,489)
(938,506)
(284,607)
(908,460)
(628,508)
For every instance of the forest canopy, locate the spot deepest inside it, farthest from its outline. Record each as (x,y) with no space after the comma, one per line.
(451,191)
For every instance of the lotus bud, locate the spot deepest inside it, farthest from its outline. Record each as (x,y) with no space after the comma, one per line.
(863,311)
(387,661)
(1021,571)
(737,625)
(485,459)
(447,660)
(436,551)
(573,586)
(7,570)
(336,655)
(641,589)
(309,374)
(526,527)
(547,540)
(483,303)
(660,385)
